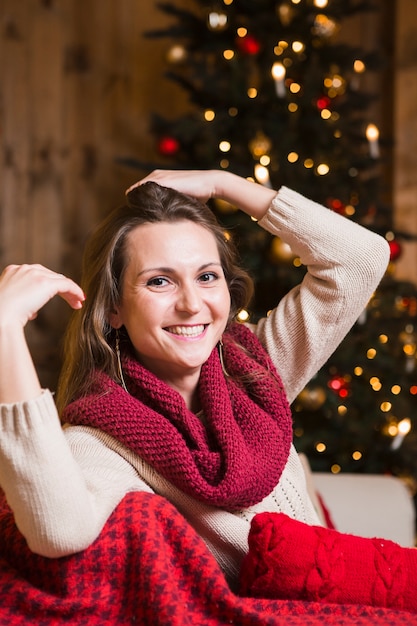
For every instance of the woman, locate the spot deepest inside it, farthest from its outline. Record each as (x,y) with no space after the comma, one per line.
(161,391)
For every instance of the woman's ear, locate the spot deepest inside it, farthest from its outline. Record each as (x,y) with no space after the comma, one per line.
(115,319)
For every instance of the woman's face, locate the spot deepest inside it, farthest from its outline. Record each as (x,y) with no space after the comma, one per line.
(175,300)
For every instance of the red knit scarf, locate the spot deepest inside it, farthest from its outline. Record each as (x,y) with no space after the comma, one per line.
(237,458)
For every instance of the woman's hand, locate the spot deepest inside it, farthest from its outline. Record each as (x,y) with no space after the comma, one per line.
(250,197)
(196,183)
(24,289)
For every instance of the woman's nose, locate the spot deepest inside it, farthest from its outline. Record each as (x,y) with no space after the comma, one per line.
(189,299)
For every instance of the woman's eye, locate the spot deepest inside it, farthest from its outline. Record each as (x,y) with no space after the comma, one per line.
(158,281)
(208,277)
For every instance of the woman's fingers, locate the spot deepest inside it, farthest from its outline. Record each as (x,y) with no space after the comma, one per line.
(25,289)
(200,184)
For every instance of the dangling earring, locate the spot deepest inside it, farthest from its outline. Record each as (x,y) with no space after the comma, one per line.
(220,349)
(119,362)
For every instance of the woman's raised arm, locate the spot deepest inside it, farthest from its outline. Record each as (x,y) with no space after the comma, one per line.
(250,197)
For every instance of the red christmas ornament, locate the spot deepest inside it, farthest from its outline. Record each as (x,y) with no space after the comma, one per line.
(395,250)
(339,385)
(168,146)
(248,44)
(323,103)
(336,205)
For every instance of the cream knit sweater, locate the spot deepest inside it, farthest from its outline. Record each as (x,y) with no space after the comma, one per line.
(63,484)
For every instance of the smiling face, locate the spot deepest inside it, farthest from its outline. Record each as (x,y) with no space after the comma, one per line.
(175,301)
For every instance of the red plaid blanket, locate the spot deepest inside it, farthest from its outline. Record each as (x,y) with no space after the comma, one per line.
(147,567)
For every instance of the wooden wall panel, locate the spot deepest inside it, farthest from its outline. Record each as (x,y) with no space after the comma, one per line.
(405,132)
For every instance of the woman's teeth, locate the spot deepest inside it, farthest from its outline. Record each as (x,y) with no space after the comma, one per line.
(186,331)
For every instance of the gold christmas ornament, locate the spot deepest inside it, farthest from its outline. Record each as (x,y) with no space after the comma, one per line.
(260,145)
(224,207)
(324,26)
(285,14)
(312,398)
(176,54)
(281,251)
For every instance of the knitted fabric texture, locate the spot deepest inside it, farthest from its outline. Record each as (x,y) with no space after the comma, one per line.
(147,567)
(233,461)
(289,559)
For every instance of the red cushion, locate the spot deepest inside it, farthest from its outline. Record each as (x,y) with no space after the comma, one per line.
(289,559)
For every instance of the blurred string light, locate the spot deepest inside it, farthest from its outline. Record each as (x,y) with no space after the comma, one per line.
(278,72)
(260,145)
(225,146)
(262,175)
(243,315)
(217,21)
(402,429)
(322,169)
(280,48)
(372,135)
(359,66)
(324,26)
(298,46)
(176,54)
(335,85)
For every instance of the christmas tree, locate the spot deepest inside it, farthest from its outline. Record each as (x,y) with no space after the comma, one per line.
(277,95)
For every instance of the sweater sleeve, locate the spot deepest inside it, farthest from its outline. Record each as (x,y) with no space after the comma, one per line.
(61,492)
(345,263)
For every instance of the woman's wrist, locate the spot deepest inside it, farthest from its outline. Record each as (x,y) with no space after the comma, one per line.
(252,198)
(19,380)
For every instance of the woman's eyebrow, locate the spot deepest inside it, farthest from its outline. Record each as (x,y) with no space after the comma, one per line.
(163,270)
(170,270)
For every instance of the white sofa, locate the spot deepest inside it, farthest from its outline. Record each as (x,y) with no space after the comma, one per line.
(367,505)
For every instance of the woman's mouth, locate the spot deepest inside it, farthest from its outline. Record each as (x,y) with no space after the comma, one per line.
(186,331)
